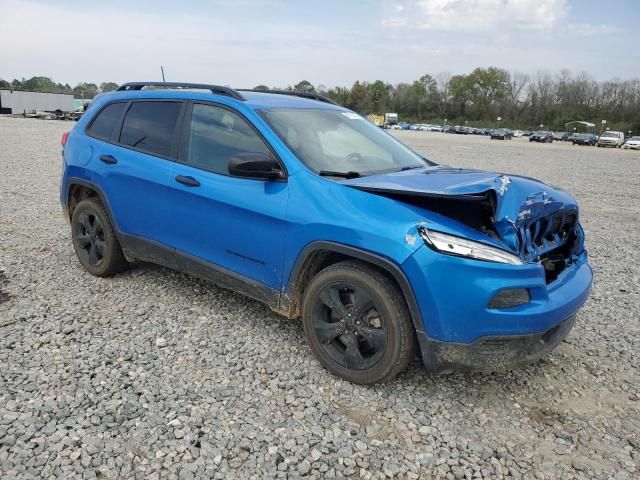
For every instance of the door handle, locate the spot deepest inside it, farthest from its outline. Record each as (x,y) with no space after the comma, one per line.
(108,159)
(188,181)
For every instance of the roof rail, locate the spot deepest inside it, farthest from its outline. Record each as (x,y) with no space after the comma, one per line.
(310,96)
(217,89)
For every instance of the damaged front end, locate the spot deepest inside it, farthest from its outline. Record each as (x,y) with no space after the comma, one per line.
(534,221)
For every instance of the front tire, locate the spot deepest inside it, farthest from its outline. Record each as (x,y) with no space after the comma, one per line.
(94,239)
(357,323)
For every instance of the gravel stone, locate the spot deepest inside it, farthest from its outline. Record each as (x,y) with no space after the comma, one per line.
(155,374)
(304,467)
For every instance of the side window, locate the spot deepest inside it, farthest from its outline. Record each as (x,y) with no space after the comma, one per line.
(216,135)
(151,126)
(104,123)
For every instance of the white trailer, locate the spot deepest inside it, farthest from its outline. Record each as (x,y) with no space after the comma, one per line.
(17,102)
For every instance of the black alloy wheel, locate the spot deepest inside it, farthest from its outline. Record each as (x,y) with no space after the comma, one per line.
(90,239)
(357,323)
(94,239)
(348,325)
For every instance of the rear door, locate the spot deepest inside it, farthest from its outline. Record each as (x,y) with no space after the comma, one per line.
(134,165)
(234,223)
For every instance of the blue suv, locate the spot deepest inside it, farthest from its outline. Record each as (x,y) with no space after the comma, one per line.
(309,208)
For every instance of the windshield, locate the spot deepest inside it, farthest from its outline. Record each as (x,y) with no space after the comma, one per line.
(609,134)
(337,141)
(635,139)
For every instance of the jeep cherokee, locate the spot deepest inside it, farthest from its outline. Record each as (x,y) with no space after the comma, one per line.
(310,208)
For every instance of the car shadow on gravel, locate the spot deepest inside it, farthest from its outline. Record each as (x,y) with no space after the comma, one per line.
(252,314)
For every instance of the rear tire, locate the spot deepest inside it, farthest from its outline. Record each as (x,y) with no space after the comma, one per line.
(357,323)
(95,241)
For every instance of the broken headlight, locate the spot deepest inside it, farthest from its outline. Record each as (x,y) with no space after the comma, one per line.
(461,247)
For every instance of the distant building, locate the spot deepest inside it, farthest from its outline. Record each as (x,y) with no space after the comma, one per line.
(16,102)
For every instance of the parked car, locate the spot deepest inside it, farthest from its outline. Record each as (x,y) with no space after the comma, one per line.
(313,210)
(633,143)
(461,130)
(517,133)
(436,128)
(584,139)
(527,133)
(502,134)
(541,136)
(611,138)
(566,137)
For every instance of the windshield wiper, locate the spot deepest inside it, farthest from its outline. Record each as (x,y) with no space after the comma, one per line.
(403,169)
(329,173)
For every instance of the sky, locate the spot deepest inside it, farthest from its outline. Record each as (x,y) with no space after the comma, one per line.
(245,43)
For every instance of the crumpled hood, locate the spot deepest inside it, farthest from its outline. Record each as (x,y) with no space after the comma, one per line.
(519,203)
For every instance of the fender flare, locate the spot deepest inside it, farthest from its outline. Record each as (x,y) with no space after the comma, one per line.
(101,196)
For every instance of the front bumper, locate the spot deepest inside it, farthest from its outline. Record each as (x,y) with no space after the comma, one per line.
(494,353)
(453,294)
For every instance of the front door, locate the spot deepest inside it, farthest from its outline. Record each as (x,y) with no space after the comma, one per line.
(234,223)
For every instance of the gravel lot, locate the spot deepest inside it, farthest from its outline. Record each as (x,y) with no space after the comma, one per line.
(153,374)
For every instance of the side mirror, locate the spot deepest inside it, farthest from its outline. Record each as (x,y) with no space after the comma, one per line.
(255,165)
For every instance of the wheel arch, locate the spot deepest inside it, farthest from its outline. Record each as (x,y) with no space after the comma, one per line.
(78,190)
(318,255)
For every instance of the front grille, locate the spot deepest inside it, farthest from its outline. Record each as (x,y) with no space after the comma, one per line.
(542,235)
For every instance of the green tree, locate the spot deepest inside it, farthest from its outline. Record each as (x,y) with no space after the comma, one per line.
(379,94)
(304,87)
(108,86)
(487,87)
(340,95)
(85,90)
(360,101)
(40,84)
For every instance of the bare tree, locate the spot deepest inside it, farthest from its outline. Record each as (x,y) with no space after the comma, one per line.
(443,79)
(517,94)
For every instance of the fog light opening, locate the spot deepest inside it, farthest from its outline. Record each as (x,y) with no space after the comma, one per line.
(510,298)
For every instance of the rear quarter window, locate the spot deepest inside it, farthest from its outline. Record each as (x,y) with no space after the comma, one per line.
(151,127)
(105,122)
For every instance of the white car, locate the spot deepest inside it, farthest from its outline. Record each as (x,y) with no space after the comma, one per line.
(517,133)
(611,139)
(633,142)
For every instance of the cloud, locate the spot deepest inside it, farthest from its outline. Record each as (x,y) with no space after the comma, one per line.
(99,43)
(590,30)
(479,15)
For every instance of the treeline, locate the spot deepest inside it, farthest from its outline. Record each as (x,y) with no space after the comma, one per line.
(45,84)
(477,98)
